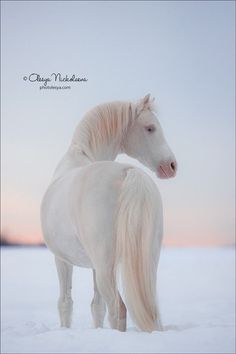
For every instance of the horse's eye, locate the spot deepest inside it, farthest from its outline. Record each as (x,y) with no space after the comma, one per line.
(150,128)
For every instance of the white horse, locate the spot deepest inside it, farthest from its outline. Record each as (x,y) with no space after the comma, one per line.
(106,215)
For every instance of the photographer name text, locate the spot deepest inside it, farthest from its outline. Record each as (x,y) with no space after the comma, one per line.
(55,78)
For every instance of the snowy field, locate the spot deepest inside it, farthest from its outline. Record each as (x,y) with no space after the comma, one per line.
(196,296)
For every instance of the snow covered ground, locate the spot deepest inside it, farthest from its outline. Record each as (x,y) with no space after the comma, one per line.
(196,296)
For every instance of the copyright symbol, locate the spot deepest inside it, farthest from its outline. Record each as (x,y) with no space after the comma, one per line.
(25,78)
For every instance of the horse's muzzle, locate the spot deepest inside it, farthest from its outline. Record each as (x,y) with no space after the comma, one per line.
(167,169)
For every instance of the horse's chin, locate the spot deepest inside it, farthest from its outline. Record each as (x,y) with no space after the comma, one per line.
(161,176)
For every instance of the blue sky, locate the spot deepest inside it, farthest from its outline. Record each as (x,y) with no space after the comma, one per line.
(182,52)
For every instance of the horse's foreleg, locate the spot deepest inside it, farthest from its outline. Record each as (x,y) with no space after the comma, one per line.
(98,306)
(65,303)
(116,307)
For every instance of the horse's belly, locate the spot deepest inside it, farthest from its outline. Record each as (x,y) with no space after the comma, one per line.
(60,232)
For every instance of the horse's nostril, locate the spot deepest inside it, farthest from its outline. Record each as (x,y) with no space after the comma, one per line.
(172,166)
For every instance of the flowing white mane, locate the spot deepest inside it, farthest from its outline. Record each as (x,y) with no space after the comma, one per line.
(106,123)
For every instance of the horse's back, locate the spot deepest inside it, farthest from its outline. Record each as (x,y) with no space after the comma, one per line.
(79,212)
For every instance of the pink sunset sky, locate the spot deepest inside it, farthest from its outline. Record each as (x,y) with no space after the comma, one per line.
(181,52)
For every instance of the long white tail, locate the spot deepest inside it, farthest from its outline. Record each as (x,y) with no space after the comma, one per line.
(139,233)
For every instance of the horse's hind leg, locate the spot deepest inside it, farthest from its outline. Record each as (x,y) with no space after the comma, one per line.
(98,306)
(65,303)
(116,307)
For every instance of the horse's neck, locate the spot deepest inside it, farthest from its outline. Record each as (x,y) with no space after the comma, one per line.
(76,158)
(106,152)
(70,161)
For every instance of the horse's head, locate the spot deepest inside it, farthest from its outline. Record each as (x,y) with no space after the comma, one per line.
(145,141)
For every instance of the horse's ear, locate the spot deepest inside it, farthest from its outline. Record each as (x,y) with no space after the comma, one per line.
(143,104)
(149,102)
(146,99)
